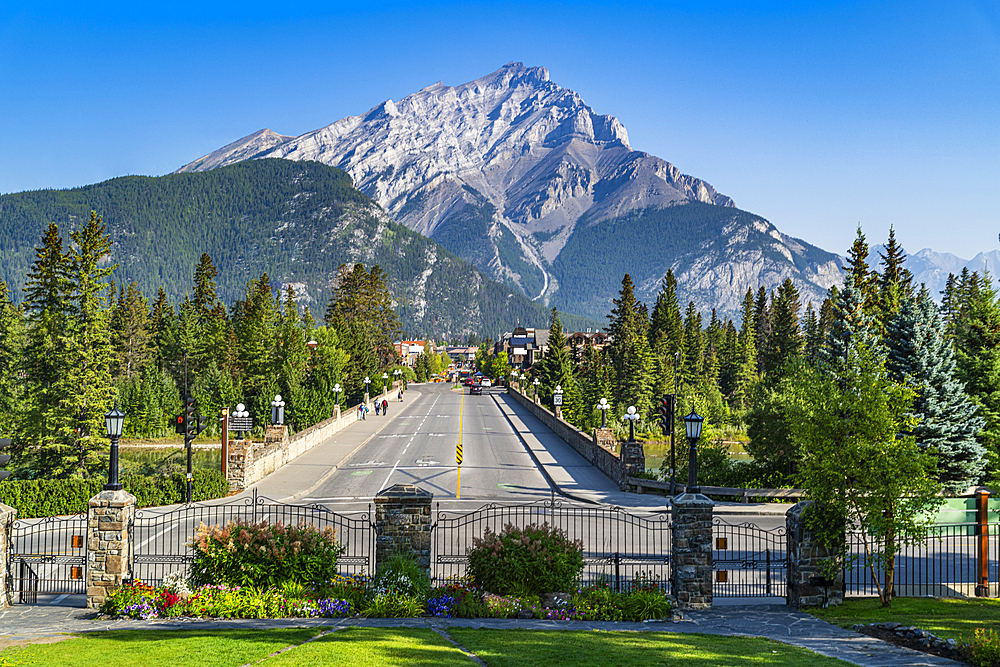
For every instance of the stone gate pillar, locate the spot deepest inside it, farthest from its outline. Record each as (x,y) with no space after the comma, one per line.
(7,516)
(807,587)
(109,537)
(403,524)
(691,555)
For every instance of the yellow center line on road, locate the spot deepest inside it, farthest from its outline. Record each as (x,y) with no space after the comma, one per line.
(461,405)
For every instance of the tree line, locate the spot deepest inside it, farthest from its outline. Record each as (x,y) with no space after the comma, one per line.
(79,343)
(747,377)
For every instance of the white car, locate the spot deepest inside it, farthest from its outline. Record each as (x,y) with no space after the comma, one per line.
(486,382)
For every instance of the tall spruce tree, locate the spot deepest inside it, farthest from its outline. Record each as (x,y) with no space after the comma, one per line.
(850,325)
(786,341)
(629,352)
(920,355)
(11,348)
(555,368)
(746,369)
(895,283)
(977,342)
(130,332)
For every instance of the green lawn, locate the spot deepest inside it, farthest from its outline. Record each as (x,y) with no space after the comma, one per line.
(949,618)
(389,647)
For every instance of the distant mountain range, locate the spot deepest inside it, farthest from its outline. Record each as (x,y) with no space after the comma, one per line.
(296,221)
(932,268)
(520,177)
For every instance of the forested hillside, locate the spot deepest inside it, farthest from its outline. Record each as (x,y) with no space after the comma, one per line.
(295,221)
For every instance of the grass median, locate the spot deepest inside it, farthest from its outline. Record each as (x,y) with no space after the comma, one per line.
(406,647)
(948,618)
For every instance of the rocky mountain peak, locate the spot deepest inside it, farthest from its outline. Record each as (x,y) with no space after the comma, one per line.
(504,171)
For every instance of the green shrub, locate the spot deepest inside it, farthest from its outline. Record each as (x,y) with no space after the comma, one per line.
(264,554)
(533,559)
(984,649)
(393,605)
(400,574)
(53,497)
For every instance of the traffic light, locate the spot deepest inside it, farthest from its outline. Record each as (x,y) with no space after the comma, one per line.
(202,423)
(4,458)
(179,424)
(190,425)
(666,413)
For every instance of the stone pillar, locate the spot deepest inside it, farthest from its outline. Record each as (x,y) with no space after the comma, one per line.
(109,522)
(276,435)
(807,585)
(605,437)
(403,524)
(7,516)
(633,458)
(691,557)
(240,460)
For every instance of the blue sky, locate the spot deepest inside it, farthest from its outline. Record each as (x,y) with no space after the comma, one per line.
(815,117)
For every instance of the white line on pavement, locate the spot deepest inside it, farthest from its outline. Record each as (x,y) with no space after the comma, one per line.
(387,477)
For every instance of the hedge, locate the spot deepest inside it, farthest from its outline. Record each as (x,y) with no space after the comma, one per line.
(53,497)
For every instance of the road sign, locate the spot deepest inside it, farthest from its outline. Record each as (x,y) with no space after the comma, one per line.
(557,399)
(458,453)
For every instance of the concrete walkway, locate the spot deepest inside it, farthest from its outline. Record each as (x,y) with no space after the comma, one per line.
(38,622)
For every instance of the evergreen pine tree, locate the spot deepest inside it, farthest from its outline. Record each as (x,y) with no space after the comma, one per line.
(629,352)
(895,281)
(130,332)
(920,355)
(762,324)
(555,368)
(11,348)
(862,277)
(977,342)
(786,338)
(694,347)
(746,370)
(851,324)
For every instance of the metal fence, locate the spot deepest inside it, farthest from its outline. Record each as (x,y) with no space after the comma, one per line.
(618,548)
(945,563)
(749,561)
(161,539)
(48,556)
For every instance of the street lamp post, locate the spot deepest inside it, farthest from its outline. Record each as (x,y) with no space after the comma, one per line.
(367,397)
(385,382)
(513,379)
(535,393)
(114,420)
(632,416)
(692,427)
(520,382)
(396,373)
(604,406)
(277,411)
(673,412)
(336,399)
(240,418)
(557,395)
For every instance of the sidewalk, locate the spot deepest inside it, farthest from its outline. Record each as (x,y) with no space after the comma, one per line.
(34,622)
(577,478)
(301,475)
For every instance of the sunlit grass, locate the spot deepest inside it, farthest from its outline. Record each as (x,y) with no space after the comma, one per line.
(556,648)
(949,618)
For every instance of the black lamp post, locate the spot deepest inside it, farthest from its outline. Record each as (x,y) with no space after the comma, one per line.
(277,410)
(385,382)
(632,416)
(604,406)
(692,425)
(114,420)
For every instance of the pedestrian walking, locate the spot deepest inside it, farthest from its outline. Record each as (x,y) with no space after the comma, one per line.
(378,407)
(361,411)
(400,394)
(385,406)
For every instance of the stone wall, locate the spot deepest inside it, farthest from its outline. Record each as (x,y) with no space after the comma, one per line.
(403,524)
(595,448)
(806,583)
(109,517)
(7,515)
(251,462)
(691,556)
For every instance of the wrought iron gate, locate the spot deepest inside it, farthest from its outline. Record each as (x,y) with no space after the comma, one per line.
(48,556)
(749,561)
(618,548)
(161,535)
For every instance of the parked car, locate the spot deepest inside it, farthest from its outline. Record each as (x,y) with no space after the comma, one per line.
(486,382)
(476,389)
